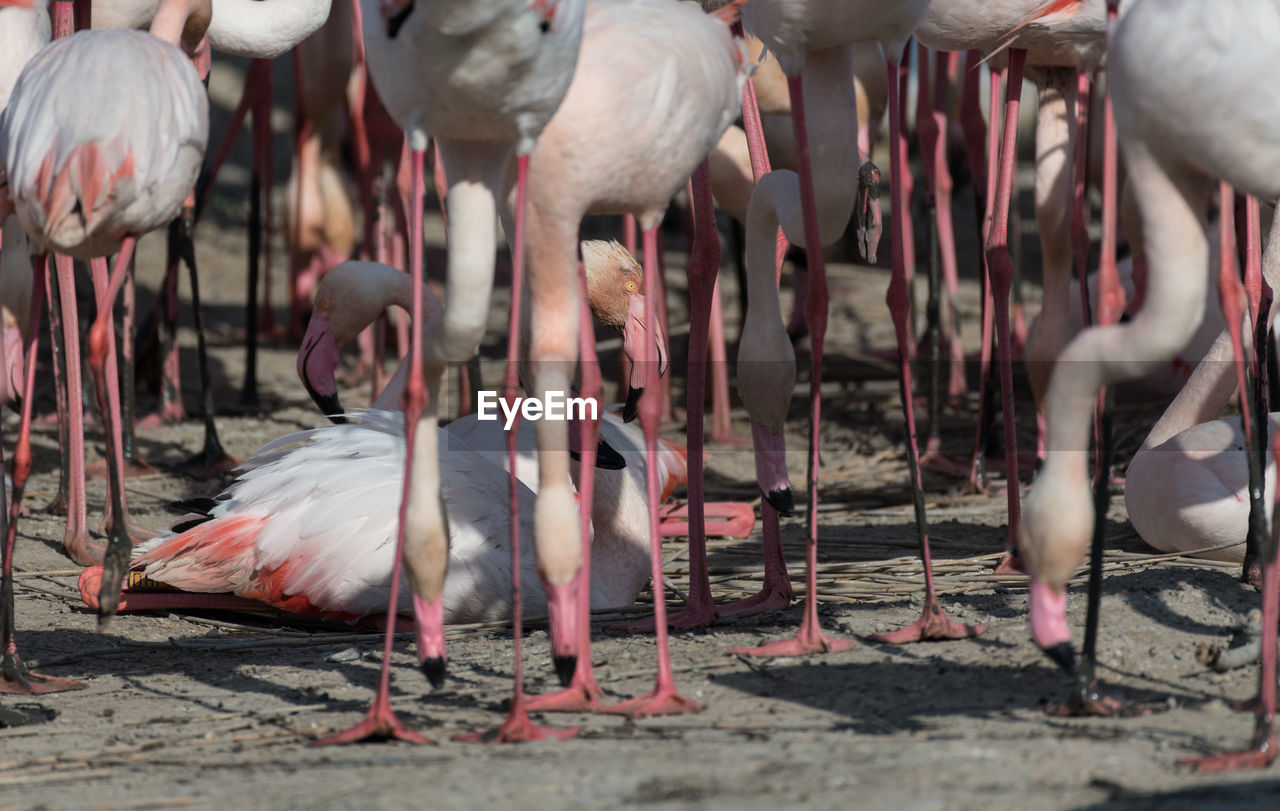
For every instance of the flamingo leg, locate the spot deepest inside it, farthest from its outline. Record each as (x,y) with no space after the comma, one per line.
(1080,204)
(253,323)
(518,728)
(101,345)
(171,408)
(809,638)
(381,723)
(933,623)
(14,675)
(1000,273)
(984,191)
(134,464)
(664,699)
(61,499)
(1260,297)
(704,262)
(212,459)
(76,542)
(1264,746)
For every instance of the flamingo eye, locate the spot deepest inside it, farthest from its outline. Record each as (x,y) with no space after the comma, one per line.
(632,287)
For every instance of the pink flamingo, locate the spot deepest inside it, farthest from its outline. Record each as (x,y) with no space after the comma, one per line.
(1167,65)
(80,187)
(811,39)
(604,157)
(483,79)
(309,527)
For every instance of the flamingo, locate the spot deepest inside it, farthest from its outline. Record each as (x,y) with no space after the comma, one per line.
(812,39)
(1182,74)
(308,527)
(483,78)
(1062,42)
(1187,488)
(79,185)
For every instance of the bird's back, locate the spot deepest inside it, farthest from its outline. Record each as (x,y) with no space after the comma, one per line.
(87,163)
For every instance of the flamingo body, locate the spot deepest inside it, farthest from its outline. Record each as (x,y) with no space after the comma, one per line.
(81,183)
(493,70)
(309,526)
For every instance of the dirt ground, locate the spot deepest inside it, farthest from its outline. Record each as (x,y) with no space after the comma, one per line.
(220,710)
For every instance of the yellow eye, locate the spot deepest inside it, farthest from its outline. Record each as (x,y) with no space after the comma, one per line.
(632,287)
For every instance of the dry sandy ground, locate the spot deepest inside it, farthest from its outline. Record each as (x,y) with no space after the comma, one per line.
(219,711)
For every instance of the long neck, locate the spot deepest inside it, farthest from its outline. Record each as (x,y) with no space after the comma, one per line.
(264,29)
(1212,384)
(397,289)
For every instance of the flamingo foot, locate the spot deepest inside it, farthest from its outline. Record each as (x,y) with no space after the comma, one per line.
(58,506)
(517,729)
(132,469)
(170,413)
(809,639)
(773,597)
(1261,755)
(82,549)
(729,438)
(208,463)
(662,700)
(934,459)
(695,614)
(1086,701)
(723,519)
(379,724)
(933,624)
(1011,563)
(18,680)
(582,695)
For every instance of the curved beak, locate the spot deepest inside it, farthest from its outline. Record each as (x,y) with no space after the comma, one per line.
(634,334)
(1047,612)
(317,361)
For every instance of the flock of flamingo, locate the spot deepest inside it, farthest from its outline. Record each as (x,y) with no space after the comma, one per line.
(537,113)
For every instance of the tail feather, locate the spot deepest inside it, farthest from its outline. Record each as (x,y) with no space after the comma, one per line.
(1046,9)
(213,556)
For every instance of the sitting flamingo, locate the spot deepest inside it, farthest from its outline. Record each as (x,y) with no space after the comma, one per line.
(309,525)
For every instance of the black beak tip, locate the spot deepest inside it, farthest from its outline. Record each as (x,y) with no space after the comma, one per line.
(433,669)
(565,665)
(631,408)
(1063,655)
(607,458)
(782,500)
(330,406)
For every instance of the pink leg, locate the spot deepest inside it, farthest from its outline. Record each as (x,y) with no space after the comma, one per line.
(61,499)
(1262,750)
(624,367)
(933,623)
(983,179)
(946,65)
(809,638)
(1080,205)
(381,723)
(663,699)
(518,728)
(14,675)
(582,694)
(1000,273)
(76,542)
(106,383)
(135,465)
(704,262)
(171,408)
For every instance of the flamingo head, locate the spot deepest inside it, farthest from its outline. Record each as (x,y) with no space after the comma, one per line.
(615,289)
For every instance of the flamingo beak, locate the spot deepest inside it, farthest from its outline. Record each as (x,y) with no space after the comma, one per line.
(771,469)
(634,334)
(1047,612)
(394,13)
(317,361)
